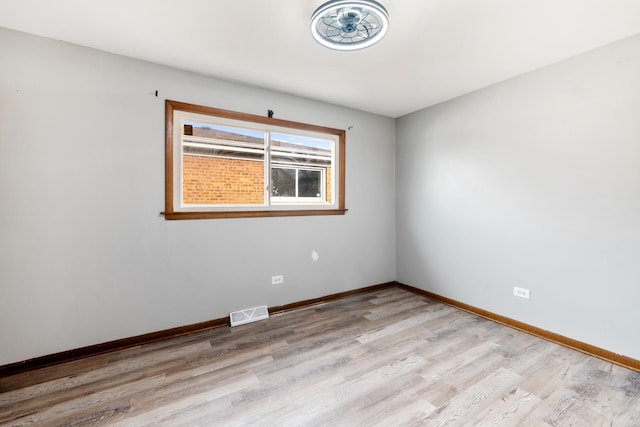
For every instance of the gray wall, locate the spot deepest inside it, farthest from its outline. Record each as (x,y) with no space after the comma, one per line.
(85,256)
(534,182)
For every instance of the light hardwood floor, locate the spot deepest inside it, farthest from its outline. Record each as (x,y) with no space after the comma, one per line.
(384,358)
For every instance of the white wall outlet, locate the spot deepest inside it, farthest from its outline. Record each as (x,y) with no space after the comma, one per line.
(521,292)
(277,280)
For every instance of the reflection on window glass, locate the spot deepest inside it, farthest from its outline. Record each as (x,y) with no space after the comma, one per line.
(303,141)
(283,182)
(309,183)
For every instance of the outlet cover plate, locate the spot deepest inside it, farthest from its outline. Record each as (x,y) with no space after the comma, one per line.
(521,292)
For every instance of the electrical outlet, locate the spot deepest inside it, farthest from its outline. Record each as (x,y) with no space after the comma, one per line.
(521,292)
(277,280)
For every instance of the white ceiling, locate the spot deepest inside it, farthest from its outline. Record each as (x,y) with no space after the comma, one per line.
(435,49)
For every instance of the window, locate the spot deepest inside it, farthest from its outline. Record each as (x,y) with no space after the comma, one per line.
(297,184)
(222,164)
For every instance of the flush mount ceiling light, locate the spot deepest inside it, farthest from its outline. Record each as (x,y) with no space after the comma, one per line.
(349,25)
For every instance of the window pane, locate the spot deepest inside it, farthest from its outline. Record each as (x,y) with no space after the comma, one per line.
(283,182)
(309,183)
(222,165)
(302,151)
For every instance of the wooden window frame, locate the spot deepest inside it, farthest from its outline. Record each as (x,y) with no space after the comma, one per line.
(170,212)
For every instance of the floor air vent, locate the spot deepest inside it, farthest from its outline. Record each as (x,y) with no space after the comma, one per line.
(249,315)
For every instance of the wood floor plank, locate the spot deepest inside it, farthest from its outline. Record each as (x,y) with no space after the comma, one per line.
(385,358)
(442,390)
(359,394)
(174,410)
(295,404)
(508,411)
(385,331)
(86,406)
(30,378)
(462,408)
